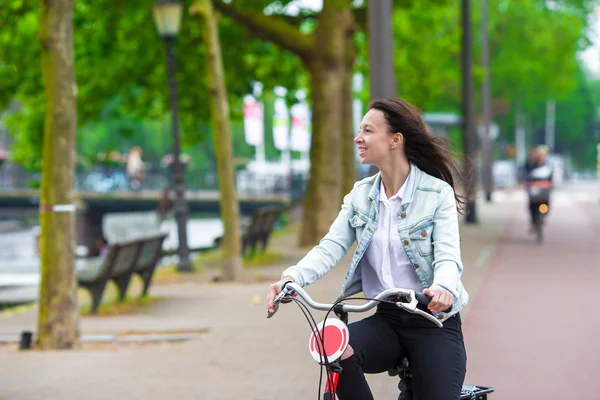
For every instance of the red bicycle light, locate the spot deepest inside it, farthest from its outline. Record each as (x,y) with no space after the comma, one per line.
(333,339)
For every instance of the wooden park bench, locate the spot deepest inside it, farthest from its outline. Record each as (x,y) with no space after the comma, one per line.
(257,230)
(135,244)
(122,261)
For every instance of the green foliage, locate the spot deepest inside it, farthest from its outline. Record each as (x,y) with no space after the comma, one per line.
(123,97)
(27,127)
(533,51)
(575,123)
(121,74)
(533,58)
(594,92)
(426,54)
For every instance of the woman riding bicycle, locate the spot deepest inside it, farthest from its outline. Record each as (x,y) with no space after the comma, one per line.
(405,219)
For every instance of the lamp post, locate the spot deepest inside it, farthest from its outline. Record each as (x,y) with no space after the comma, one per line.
(383,80)
(487,176)
(469,137)
(167,16)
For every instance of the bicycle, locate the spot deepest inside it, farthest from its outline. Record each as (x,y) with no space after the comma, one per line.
(538,222)
(329,339)
(538,194)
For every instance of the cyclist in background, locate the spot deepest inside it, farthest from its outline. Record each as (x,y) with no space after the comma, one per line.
(537,177)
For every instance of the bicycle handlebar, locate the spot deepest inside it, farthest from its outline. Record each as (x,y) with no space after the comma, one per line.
(289,288)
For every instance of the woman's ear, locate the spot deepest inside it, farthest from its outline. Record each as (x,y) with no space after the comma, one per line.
(397,140)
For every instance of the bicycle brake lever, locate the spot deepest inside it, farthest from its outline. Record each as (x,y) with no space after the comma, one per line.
(411,307)
(276,305)
(280,298)
(270,314)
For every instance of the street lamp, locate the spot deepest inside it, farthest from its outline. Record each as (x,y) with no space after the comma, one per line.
(468,113)
(167,16)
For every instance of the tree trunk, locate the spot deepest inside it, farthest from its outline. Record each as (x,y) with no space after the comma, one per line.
(58,320)
(323,52)
(327,68)
(231,251)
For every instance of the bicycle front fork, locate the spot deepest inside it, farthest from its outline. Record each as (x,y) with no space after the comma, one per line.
(333,374)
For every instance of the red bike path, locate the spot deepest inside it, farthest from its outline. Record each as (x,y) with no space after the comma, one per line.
(533,330)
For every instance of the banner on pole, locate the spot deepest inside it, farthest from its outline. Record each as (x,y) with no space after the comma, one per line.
(254,129)
(301,127)
(281,125)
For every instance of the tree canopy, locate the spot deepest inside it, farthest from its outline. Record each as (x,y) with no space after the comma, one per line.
(122,83)
(121,71)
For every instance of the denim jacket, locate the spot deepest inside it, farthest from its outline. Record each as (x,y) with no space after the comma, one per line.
(427,225)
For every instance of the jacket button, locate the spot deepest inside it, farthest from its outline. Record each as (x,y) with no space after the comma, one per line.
(416,266)
(406,242)
(403,215)
(423,233)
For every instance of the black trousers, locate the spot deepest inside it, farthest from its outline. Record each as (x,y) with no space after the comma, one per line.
(437,355)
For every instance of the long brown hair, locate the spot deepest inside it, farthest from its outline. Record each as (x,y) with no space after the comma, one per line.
(427,151)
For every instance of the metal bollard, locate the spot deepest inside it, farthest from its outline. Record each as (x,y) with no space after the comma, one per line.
(25,343)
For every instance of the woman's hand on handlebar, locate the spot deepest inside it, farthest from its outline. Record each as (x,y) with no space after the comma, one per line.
(274,290)
(441,299)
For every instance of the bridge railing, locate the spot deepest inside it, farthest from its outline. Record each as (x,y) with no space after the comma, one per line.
(113,180)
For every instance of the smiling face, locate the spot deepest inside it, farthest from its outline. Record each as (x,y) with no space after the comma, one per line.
(373,141)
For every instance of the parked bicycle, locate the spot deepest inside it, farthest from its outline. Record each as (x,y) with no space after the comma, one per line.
(330,338)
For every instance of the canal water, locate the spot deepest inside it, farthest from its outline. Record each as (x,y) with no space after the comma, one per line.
(18,256)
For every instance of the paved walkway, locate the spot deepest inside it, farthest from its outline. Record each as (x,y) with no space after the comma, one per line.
(533,330)
(246,355)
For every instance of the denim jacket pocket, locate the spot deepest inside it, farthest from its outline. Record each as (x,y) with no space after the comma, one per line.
(356,221)
(420,235)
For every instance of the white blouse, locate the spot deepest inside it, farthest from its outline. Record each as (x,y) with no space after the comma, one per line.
(385,264)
